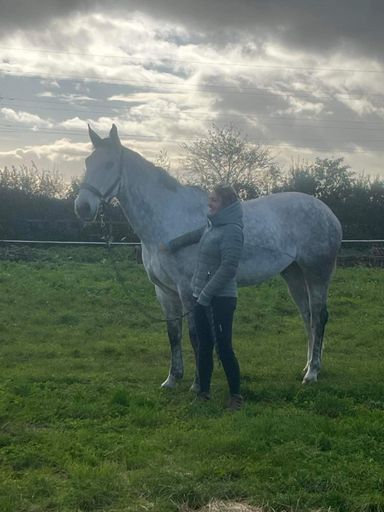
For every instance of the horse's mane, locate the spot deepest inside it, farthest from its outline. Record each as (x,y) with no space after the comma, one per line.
(149,168)
(166,179)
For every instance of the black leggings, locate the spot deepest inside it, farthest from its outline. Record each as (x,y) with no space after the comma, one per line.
(214,324)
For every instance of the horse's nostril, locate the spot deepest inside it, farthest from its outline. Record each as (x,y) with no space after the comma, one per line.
(83,210)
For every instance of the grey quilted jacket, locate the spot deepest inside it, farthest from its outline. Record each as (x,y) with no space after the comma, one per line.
(220,247)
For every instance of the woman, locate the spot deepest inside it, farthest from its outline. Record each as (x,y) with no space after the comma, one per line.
(214,288)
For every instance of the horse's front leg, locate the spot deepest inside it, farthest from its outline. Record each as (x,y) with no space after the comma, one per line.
(176,369)
(194,342)
(172,308)
(188,304)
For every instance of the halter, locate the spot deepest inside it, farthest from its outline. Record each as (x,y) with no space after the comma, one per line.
(105,197)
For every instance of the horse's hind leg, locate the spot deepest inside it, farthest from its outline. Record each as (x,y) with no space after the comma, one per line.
(317,291)
(172,309)
(294,277)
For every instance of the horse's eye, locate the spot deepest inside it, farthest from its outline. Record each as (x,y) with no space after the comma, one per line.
(109,165)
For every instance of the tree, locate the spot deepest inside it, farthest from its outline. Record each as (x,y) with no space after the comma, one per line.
(32,204)
(162,160)
(32,181)
(73,188)
(325,178)
(226,156)
(357,200)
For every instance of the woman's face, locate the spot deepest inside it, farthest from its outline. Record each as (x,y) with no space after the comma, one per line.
(214,203)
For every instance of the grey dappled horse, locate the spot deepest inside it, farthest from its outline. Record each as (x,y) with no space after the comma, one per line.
(289,233)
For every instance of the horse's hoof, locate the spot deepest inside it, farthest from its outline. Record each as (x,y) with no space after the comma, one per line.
(310,377)
(195,388)
(169,383)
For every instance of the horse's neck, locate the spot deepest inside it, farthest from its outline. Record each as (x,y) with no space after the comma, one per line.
(158,207)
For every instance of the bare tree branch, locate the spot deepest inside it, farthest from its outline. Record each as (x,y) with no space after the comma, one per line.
(226,156)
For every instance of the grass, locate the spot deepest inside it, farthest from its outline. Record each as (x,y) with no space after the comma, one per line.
(85,427)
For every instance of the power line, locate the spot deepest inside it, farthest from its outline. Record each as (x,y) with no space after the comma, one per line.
(189,113)
(150,137)
(214,117)
(204,62)
(268,142)
(240,89)
(295,126)
(16,129)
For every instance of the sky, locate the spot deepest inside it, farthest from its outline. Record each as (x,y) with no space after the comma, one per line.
(303,77)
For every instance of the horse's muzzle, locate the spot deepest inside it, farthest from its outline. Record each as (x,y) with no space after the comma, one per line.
(83,210)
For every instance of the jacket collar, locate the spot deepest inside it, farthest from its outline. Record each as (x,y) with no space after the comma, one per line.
(231,214)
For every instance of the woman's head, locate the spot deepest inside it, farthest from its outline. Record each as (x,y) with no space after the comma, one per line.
(221,197)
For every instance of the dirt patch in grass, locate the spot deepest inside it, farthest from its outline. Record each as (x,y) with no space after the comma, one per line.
(224,506)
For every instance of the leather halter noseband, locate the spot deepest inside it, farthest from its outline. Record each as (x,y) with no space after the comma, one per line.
(104,197)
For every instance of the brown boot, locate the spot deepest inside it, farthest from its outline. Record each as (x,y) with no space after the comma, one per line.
(235,403)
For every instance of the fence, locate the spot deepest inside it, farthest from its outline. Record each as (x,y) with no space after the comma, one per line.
(353,252)
(64,242)
(361,252)
(85,242)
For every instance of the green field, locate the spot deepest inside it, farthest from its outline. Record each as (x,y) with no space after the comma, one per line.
(85,427)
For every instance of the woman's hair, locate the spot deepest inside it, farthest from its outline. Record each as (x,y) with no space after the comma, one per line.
(227,194)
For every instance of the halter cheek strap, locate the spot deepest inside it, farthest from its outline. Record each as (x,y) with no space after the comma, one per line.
(91,188)
(104,197)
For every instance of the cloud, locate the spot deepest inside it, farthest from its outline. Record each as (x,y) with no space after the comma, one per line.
(290,74)
(25,118)
(96,47)
(67,98)
(62,154)
(350,25)
(63,148)
(37,12)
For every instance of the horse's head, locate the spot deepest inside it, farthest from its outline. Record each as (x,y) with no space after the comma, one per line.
(102,175)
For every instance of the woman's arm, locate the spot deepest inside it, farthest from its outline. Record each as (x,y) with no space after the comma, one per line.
(192,237)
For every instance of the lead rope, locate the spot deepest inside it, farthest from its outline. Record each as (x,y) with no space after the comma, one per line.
(106,230)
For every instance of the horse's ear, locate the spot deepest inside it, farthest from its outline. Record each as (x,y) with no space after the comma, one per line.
(114,136)
(95,139)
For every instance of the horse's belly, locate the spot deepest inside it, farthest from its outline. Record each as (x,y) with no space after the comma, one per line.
(262,266)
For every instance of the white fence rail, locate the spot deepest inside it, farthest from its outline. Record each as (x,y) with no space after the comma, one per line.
(60,242)
(362,241)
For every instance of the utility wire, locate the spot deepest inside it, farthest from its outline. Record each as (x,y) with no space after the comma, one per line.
(150,137)
(292,145)
(193,114)
(208,88)
(200,62)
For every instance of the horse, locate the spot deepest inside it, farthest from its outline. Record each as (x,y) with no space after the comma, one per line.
(288,233)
